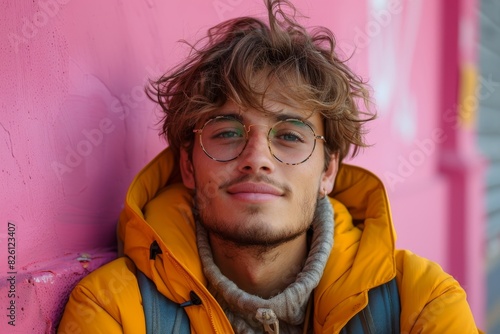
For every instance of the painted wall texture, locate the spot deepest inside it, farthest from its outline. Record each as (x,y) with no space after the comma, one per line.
(76,126)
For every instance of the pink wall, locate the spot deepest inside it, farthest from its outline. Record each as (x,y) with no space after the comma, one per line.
(75,127)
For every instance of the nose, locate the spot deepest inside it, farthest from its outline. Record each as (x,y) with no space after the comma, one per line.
(256,157)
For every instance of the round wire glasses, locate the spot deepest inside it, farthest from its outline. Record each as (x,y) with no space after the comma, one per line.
(290,141)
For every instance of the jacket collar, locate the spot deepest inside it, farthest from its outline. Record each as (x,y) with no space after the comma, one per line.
(363,252)
(364,247)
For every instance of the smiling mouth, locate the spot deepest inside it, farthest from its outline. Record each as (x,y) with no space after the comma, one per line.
(250,187)
(254,191)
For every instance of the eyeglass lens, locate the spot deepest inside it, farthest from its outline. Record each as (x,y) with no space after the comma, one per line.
(290,141)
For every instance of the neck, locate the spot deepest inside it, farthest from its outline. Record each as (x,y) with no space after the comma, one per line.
(260,270)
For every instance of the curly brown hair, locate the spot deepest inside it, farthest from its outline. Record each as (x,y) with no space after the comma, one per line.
(235,55)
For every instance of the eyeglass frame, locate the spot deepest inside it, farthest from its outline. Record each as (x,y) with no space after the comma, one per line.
(247,131)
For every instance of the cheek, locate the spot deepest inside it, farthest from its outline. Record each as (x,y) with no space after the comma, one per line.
(309,180)
(211,176)
(206,191)
(299,182)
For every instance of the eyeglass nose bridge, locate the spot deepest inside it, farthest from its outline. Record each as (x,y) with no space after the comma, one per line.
(249,127)
(269,142)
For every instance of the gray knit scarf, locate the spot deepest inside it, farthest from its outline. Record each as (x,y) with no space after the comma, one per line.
(285,312)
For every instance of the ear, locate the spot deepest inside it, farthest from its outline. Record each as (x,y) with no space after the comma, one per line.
(328,178)
(187,170)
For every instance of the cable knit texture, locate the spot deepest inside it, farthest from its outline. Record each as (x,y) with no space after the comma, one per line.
(245,310)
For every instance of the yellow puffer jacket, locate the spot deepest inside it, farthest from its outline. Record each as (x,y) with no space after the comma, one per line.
(158,207)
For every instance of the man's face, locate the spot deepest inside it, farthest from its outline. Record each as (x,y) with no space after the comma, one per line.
(255,200)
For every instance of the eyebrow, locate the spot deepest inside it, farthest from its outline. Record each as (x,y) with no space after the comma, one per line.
(277,117)
(284,116)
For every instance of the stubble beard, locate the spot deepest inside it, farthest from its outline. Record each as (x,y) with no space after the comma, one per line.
(254,233)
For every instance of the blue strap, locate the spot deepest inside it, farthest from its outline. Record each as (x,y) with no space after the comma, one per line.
(162,315)
(381,315)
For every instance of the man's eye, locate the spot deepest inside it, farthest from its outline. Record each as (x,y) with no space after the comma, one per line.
(229,134)
(290,137)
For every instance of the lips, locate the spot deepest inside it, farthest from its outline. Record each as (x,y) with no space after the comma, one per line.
(254,188)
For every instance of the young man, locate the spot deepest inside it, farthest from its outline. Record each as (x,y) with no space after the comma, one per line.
(249,219)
